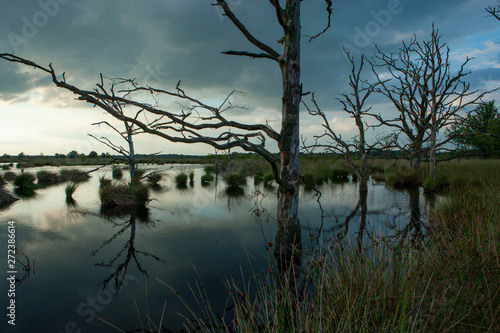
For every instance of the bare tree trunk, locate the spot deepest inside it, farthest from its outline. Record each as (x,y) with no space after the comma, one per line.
(131,157)
(432,159)
(416,155)
(288,234)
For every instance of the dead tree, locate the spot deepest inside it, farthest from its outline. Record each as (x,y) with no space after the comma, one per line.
(127,135)
(494,10)
(427,94)
(196,122)
(354,104)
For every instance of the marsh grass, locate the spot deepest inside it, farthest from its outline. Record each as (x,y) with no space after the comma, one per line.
(154,179)
(402,178)
(47,178)
(181,179)
(451,284)
(9,176)
(267,178)
(122,195)
(73,175)
(70,189)
(207,178)
(315,174)
(209,169)
(117,172)
(235,180)
(24,185)
(6,198)
(25,180)
(339,175)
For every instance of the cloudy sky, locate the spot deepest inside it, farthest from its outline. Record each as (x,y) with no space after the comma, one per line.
(162,42)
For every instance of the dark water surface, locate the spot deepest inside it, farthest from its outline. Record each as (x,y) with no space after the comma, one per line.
(187,234)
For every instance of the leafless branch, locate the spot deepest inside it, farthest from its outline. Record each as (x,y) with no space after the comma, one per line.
(494,11)
(272,54)
(329,10)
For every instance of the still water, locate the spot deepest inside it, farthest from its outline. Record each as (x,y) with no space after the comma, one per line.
(86,268)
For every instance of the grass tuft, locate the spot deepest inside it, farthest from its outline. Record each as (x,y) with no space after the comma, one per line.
(73,175)
(181,180)
(234,180)
(47,178)
(9,176)
(117,172)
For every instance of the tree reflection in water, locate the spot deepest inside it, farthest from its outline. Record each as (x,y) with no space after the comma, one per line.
(412,232)
(120,262)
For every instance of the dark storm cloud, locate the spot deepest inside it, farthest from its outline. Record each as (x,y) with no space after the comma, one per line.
(161,42)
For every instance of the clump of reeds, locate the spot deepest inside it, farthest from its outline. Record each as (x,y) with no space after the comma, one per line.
(339,175)
(25,180)
(209,169)
(24,165)
(191,178)
(140,193)
(154,179)
(268,177)
(73,175)
(122,195)
(103,181)
(9,176)
(114,195)
(181,179)
(47,178)
(402,178)
(117,172)
(25,184)
(6,167)
(315,173)
(234,180)
(70,189)
(442,183)
(6,198)
(207,178)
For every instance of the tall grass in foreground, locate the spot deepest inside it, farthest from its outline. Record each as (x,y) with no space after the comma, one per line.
(451,285)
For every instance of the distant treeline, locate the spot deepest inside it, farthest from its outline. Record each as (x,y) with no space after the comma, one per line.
(104,158)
